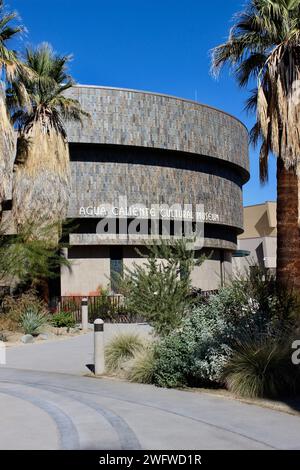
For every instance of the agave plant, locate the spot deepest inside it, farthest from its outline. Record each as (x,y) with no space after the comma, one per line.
(41,184)
(32,320)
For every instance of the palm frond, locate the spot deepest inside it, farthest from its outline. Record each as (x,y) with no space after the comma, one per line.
(264,45)
(251,102)
(42,174)
(250,68)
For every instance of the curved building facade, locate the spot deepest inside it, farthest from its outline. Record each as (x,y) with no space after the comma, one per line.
(153,150)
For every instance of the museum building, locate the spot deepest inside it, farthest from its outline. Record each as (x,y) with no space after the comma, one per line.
(151,150)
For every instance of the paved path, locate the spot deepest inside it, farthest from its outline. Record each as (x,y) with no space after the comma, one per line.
(50,410)
(70,356)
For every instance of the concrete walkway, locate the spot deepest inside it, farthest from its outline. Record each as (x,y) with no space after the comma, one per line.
(50,410)
(65,356)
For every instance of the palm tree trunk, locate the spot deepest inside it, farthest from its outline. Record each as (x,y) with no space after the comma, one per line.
(288,232)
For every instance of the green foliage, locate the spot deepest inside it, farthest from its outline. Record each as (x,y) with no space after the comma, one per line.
(28,258)
(263,45)
(102,307)
(159,290)
(197,353)
(14,306)
(121,349)
(32,320)
(63,320)
(262,367)
(45,87)
(173,357)
(8,30)
(262,26)
(141,368)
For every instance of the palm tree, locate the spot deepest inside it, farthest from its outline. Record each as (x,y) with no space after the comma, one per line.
(9,65)
(264,45)
(42,174)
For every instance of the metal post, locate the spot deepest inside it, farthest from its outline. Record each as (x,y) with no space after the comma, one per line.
(99,346)
(84,315)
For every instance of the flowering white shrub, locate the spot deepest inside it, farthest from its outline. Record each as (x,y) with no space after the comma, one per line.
(196,353)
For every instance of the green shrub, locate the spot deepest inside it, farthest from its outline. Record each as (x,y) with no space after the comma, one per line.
(197,352)
(159,290)
(102,307)
(32,320)
(173,356)
(262,368)
(15,306)
(121,349)
(141,367)
(63,319)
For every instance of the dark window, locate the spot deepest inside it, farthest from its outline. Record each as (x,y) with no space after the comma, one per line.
(116,268)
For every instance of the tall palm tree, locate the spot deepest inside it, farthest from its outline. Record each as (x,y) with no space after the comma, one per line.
(42,174)
(264,45)
(9,65)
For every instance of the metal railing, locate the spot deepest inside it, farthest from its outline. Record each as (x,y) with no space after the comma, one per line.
(110,308)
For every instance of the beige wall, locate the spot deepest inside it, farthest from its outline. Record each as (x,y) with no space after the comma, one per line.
(260,221)
(262,253)
(130,257)
(208,275)
(205,277)
(259,238)
(90,268)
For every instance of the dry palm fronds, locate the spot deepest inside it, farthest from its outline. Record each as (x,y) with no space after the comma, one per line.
(262,106)
(7,151)
(42,175)
(278,104)
(42,182)
(278,107)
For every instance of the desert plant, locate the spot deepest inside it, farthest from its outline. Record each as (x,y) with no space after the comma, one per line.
(32,320)
(261,367)
(197,352)
(15,306)
(159,290)
(63,320)
(141,368)
(29,261)
(7,324)
(121,349)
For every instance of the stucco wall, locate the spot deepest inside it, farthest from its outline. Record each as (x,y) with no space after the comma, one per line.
(208,276)
(262,253)
(89,269)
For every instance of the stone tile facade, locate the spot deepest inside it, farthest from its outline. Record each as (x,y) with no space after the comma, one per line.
(129,117)
(157,149)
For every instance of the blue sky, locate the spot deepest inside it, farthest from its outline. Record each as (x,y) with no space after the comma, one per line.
(155,45)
